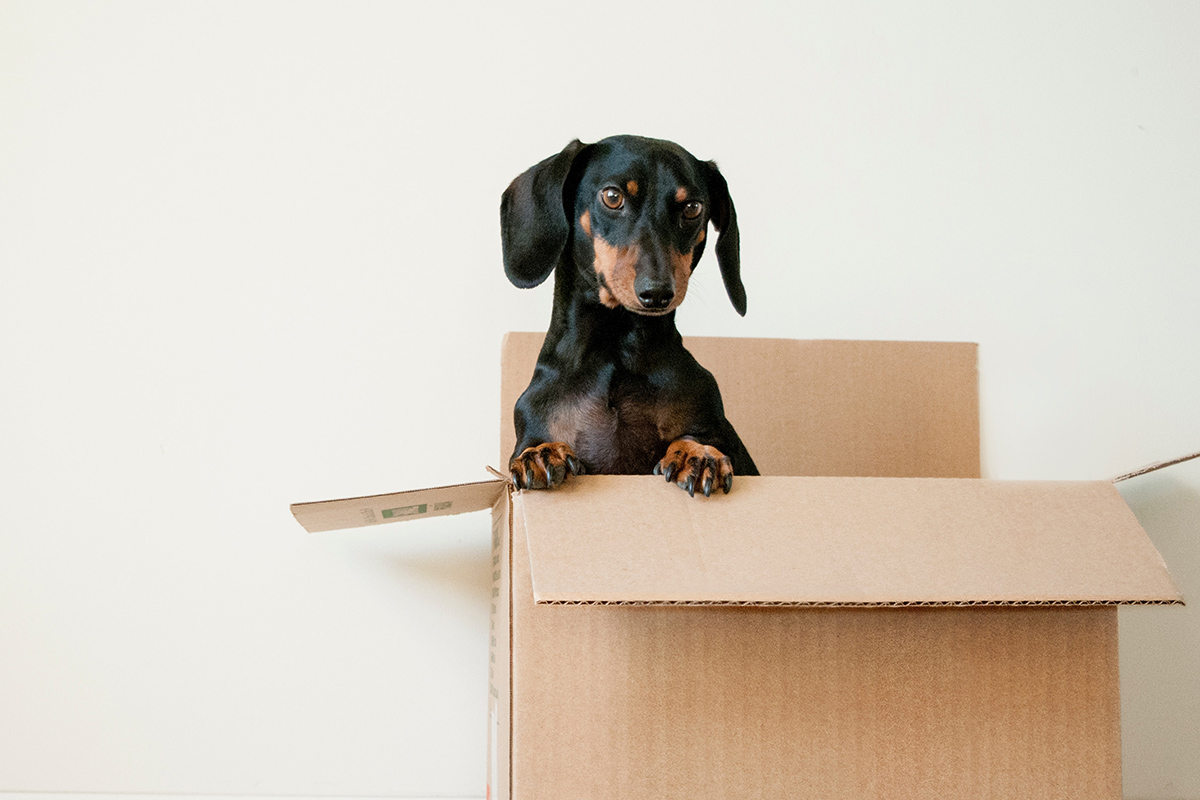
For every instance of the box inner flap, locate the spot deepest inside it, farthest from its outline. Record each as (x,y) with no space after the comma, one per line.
(438,501)
(839,542)
(852,408)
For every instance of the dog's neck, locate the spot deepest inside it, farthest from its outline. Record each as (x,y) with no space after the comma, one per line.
(581,326)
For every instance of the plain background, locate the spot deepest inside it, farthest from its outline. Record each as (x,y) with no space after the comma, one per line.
(250,256)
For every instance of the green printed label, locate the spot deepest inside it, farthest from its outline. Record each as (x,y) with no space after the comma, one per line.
(443,505)
(405,511)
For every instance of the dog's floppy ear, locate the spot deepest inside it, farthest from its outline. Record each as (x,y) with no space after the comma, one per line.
(724,219)
(533,223)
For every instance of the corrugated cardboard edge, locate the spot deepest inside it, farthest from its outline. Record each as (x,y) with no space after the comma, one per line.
(1157,465)
(500,651)
(859,604)
(438,501)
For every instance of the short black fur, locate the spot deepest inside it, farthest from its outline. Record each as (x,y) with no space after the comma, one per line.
(613,381)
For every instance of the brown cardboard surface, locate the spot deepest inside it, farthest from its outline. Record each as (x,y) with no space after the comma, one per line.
(629,677)
(840,541)
(500,654)
(439,501)
(886,409)
(679,702)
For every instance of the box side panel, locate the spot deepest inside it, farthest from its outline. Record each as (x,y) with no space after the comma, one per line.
(499,673)
(518,356)
(868,409)
(852,408)
(757,703)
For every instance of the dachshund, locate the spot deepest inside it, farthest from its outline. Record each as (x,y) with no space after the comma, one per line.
(622,224)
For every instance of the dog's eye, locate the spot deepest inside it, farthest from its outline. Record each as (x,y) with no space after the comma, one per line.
(693,209)
(612,197)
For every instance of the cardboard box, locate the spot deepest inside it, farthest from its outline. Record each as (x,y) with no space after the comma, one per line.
(869,619)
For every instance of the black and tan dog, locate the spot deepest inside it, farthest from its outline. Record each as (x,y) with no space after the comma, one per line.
(621,223)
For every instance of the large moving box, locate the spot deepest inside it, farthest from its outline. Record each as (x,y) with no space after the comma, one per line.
(869,619)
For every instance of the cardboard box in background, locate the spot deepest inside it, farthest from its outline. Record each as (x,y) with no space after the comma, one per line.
(888,626)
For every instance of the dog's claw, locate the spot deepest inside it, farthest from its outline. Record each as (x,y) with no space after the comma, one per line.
(544,466)
(691,466)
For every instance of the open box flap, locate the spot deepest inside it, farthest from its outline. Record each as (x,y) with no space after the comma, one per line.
(439,501)
(840,542)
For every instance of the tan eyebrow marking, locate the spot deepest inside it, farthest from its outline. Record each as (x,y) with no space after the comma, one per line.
(681,194)
(632,187)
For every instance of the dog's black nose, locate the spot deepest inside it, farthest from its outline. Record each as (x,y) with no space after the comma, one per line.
(656,296)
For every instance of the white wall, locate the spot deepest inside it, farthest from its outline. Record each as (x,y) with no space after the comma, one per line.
(250,256)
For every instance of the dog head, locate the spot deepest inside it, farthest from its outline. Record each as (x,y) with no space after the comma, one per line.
(632,215)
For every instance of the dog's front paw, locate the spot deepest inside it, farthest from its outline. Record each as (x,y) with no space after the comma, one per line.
(696,466)
(544,466)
